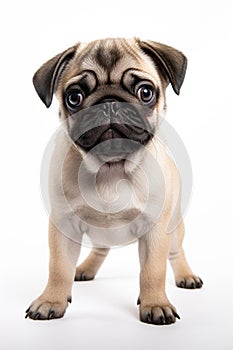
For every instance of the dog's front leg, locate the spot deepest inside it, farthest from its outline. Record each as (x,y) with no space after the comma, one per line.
(52,303)
(155,307)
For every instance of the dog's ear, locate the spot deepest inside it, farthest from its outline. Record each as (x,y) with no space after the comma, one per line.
(171,62)
(46,78)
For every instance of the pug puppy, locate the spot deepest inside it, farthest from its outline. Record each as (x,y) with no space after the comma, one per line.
(112,95)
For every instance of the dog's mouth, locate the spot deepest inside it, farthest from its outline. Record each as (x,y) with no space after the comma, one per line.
(110,131)
(106,132)
(110,134)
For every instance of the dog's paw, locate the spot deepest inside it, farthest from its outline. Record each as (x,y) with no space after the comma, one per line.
(158,315)
(189,282)
(46,309)
(83,274)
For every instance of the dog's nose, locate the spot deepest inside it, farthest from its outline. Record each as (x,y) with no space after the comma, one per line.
(112,105)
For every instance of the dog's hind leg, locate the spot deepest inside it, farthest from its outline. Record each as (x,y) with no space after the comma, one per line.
(88,269)
(184,276)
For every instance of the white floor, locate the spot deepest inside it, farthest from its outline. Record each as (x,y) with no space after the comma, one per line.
(104,315)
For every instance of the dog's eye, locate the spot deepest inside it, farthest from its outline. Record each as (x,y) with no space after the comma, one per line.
(145,93)
(74,98)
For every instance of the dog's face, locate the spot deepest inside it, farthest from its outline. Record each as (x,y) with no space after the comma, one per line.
(111,90)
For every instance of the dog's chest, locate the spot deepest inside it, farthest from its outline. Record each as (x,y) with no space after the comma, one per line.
(113,206)
(111,197)
(115,209)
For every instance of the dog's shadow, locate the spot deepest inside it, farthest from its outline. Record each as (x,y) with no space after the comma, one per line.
(107,292)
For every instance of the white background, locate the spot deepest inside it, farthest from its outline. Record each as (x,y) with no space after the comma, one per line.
(103,314)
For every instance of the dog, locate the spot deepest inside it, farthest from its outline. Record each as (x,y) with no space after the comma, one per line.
(109,92)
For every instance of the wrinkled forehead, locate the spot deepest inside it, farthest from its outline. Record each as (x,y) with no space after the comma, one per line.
(109,59)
